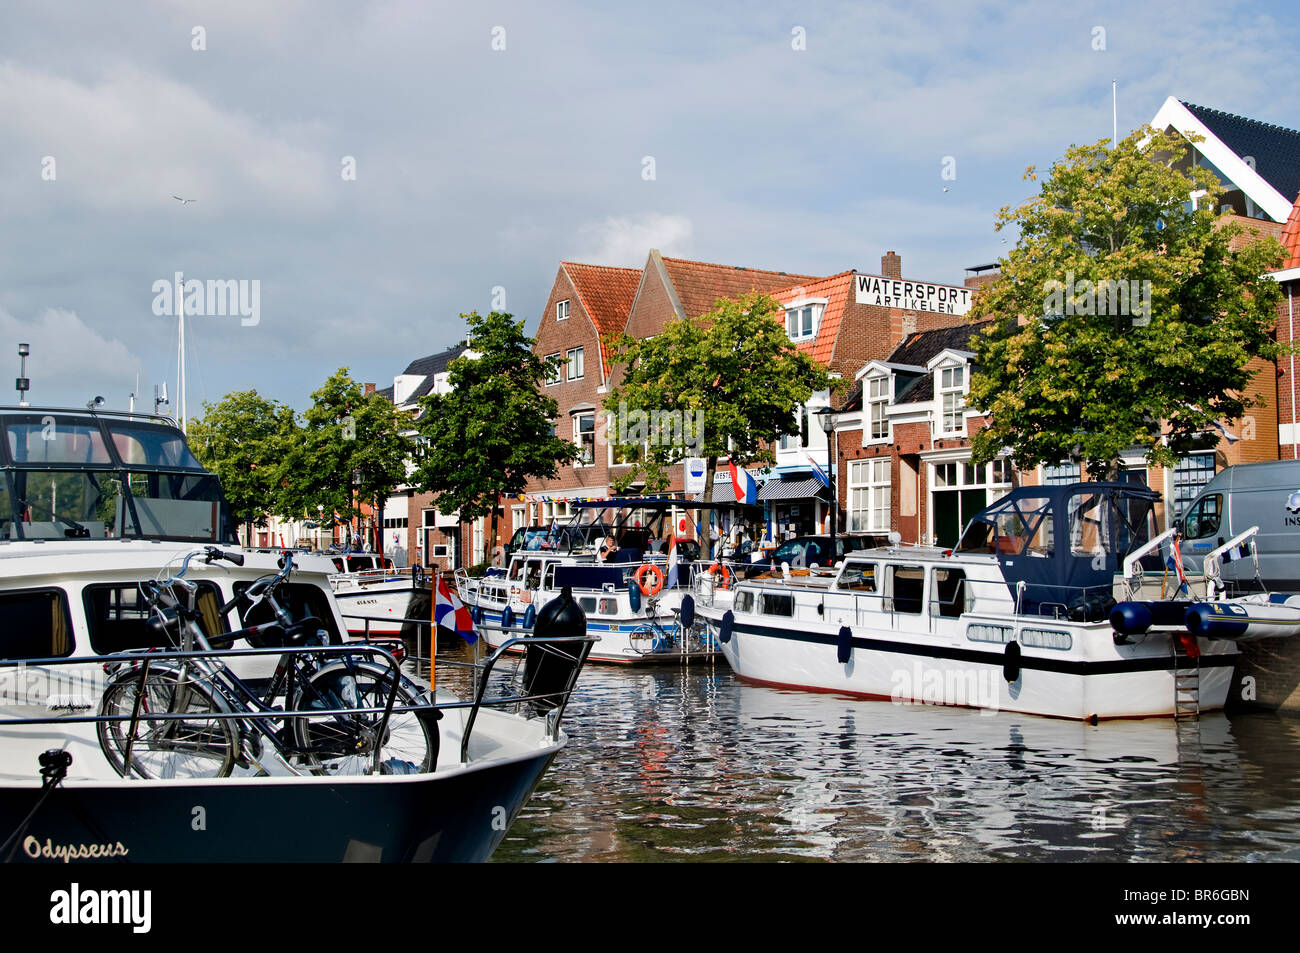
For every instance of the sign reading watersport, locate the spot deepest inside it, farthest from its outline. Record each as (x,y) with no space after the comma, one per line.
(912,295)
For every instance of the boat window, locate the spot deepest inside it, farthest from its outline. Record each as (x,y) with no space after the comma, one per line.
(301,599)
(982,632)
(143,445)
(950,596)
(185,506)
(857,577)
(118,618)
(50,439)
(1203,518)
(1011,528)
(533,574)
(36,624)
(548,576)
(907,588)
(1089,526)
(744,601)
(1046,638)
(608,606)
(777,603)
(588,604)
(516,570)
(66,505)
(338,563)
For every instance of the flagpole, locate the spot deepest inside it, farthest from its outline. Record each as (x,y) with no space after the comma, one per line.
(433,634)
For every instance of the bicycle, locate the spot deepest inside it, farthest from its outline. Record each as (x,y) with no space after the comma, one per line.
(373,719)
(651,638)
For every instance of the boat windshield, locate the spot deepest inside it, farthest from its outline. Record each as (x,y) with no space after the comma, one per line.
(89,477)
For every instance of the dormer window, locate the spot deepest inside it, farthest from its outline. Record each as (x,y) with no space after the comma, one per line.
(952,399)
(802,320)
(878,397)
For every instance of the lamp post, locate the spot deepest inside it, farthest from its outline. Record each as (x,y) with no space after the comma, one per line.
(828,416)
(22,383)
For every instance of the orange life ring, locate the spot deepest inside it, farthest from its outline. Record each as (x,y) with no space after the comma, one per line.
(656,586)
(724,574)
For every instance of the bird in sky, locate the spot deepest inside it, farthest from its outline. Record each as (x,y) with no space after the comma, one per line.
(184,201)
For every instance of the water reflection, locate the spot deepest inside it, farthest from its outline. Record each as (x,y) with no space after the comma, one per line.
(692,764)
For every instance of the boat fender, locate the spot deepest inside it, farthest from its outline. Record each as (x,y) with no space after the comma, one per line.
(724,627)
(688,611)
(634,595)
(1130,618)
(530,616)
(477,615)
(507,618)
(844,644)
(1011,662)
(417,574)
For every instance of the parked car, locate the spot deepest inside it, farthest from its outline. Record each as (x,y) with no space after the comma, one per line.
(803,552)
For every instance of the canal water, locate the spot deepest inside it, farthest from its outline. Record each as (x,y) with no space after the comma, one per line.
(691,764)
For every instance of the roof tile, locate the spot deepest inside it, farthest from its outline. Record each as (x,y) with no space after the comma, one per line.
(606,293)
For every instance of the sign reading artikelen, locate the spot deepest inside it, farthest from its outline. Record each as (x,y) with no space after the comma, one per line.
(912,295)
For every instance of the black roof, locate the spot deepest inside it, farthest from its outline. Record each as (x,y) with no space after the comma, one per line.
(429,367)
(917,350)
(1276,150)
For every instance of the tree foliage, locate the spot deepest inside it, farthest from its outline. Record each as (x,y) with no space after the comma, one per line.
(734,370)
(350,450)
(1060,374)
(492,431)
(242,439)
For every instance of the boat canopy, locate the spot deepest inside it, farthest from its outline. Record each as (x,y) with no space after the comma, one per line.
(67,474)
(1064,543)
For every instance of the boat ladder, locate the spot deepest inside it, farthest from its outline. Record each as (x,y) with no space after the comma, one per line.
(1187,683)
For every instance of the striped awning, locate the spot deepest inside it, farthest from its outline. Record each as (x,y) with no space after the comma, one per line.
(775,489)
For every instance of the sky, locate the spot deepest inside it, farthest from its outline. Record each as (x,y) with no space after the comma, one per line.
(367,172)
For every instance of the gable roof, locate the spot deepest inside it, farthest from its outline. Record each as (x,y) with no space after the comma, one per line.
(606,294)
(917,350)
(699,284)
(1271,176)
(835,289)
(1276,149)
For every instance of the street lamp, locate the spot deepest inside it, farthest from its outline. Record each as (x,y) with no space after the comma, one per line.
(22,383)
(828,415)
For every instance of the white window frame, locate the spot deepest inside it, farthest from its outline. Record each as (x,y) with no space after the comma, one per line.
(795,315)
(575,364)
(558,374)
(562,310)
(871,400)
(578,434)
(957,392)
(870,495)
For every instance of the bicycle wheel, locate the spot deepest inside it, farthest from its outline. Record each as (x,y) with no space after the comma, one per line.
(345,745)
(646,639)
(196,746)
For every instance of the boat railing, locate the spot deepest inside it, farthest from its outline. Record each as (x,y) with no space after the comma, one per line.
(569,651)
(1212,564)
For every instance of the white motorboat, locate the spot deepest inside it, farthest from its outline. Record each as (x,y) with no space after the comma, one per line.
(92,507)
(375,598)
(1016,618)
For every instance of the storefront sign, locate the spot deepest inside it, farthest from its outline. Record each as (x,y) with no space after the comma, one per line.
(912,295)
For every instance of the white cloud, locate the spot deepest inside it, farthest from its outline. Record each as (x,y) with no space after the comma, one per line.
(627,241)
(70,361)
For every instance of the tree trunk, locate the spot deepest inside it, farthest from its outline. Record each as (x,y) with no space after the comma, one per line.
(379,529)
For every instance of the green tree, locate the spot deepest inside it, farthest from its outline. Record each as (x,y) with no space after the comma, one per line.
(492,431)
(1122,318)
(350,451)
(242,439)
(733,372)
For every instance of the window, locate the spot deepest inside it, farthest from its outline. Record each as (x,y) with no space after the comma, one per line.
(625,455)
(906,589)
(1060,474)
(857,577)
(775,603)
(37,625)
(948,595)
(118,618)
(744,601)
(1001,472)
(562,310)
(556,372)
(479,555)
(869,495)
(952,387)
(584,435)
(1203,518)
(801,323)
(574,364)
(877,404)
(796,440)
(1191,474)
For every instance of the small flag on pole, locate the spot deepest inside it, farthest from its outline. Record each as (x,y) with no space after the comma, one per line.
(818,472)
(450,613)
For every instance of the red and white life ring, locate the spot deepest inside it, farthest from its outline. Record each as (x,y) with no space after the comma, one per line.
(656,585)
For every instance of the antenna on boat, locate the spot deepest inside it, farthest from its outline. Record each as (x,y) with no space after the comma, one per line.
(159,399)
(23,384)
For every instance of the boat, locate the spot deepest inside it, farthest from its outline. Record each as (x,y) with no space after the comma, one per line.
(376,598)
(95,504)
(630,568)
(1015,618)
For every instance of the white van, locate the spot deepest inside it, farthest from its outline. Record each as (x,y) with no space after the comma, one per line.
(1266,495)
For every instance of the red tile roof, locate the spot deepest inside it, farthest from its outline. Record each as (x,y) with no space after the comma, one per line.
(699,284)
(606,294)
(836,289)
(1291,237)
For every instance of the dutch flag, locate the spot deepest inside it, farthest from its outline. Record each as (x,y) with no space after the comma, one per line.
(743,484)
(818,472)
(450,613)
